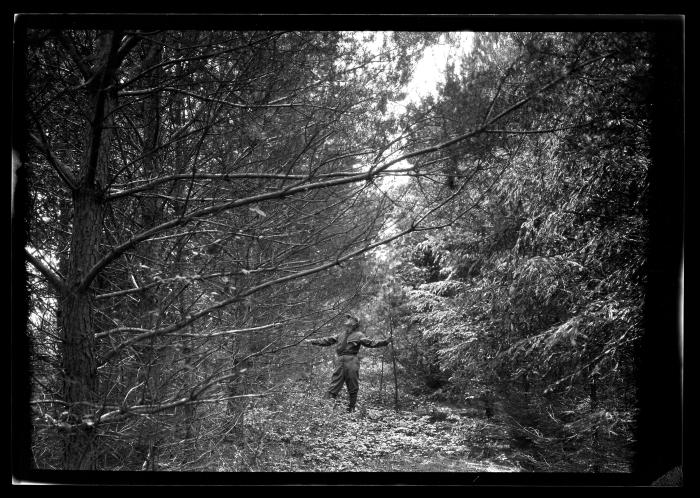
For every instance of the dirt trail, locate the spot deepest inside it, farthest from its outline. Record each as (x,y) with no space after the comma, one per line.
(380,440)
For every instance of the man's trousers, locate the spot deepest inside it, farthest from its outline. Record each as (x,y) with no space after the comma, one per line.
(348,373)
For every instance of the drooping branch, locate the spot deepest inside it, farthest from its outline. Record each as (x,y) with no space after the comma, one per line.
(228,177)
(241,296)
(63,171)
(227,103)
(161,281)
(233,331)
(56,281)
(566,72)
(194,396)
(277,194)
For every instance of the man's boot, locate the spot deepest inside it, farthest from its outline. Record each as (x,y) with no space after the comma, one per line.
(352,403)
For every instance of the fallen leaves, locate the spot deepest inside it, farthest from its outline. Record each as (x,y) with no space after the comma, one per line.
(322,439)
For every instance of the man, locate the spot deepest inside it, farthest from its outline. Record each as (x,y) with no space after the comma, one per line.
(348,344)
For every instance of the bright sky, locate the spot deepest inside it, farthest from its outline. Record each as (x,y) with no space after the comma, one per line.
(429,71)
(427,75)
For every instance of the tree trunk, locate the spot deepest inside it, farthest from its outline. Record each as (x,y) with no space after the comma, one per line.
(77,324)
(80,382)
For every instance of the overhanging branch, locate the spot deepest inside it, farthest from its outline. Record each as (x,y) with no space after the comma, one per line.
(63,171)
(239,297)
(56,282)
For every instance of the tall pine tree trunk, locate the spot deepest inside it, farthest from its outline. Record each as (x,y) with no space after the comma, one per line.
(80,381)
(77,324)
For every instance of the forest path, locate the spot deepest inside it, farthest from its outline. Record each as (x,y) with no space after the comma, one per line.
(382,440)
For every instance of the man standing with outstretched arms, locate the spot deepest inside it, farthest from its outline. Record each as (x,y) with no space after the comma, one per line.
(348,344)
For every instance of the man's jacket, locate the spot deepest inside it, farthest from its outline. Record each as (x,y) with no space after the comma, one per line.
(351,344)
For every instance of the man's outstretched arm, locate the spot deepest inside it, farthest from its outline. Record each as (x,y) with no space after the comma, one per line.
(369,343)
(323,341)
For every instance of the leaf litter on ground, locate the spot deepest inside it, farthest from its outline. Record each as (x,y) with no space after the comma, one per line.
(322,438)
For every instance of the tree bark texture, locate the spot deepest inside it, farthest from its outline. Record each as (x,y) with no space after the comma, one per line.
(80,382)
(77,320)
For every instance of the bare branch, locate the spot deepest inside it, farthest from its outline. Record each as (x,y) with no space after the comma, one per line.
(53,279)
(63,171)
(228,103)
(207,336)
(231,176)
(233,331)
(434,148)
(239,297)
